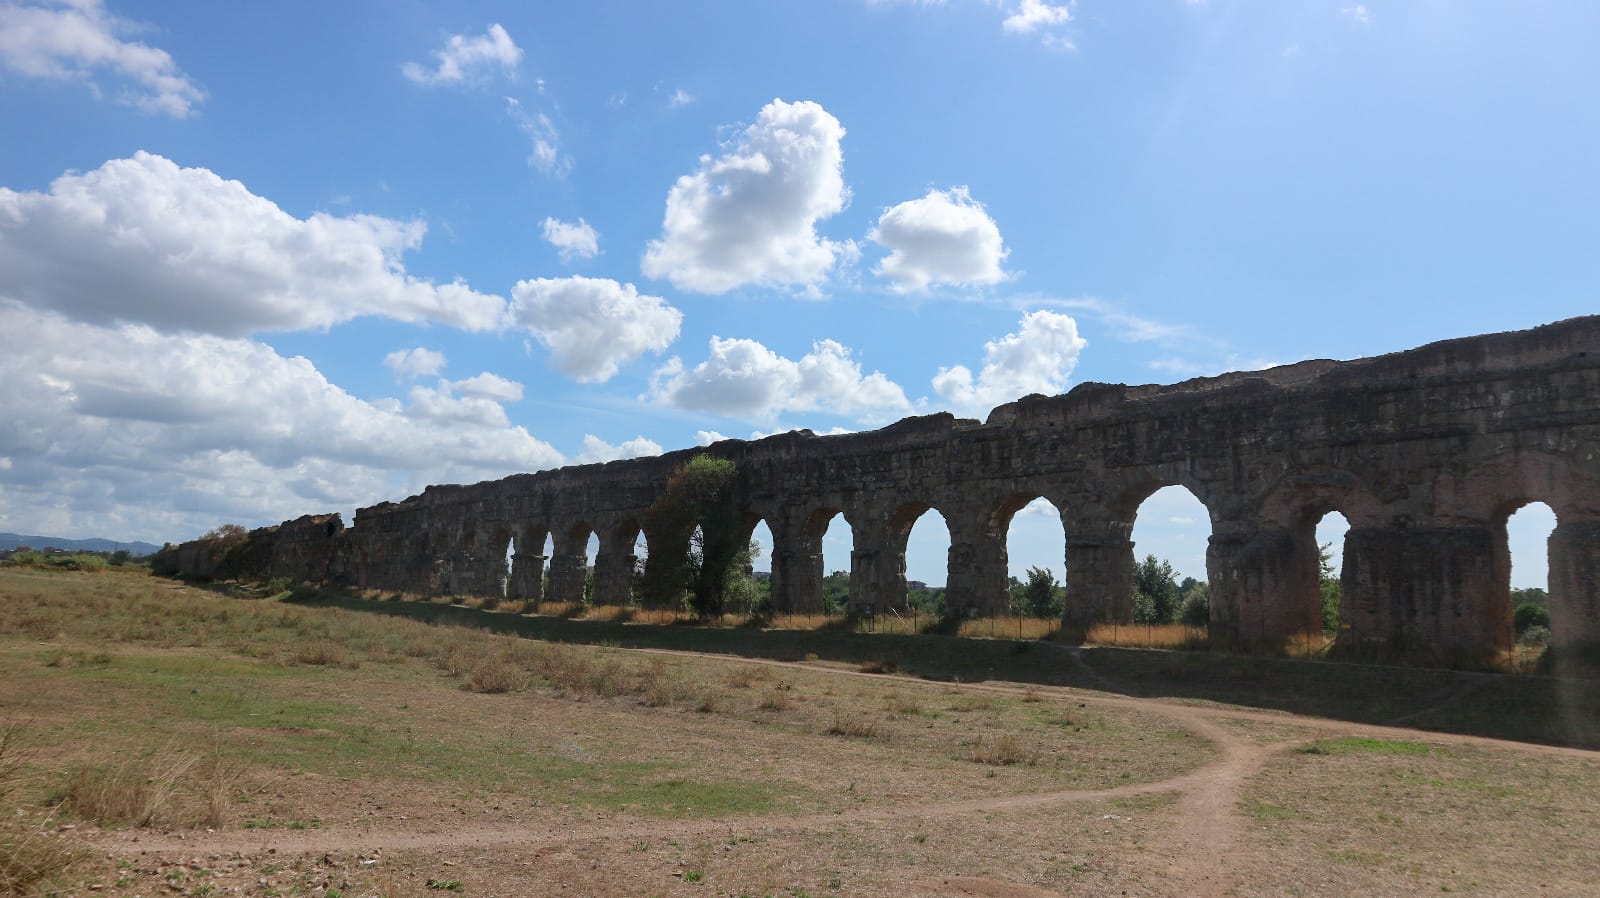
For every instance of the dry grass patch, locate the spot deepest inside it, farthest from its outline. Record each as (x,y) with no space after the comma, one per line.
(1002,750)
(1145,636)
(856,725)
(131,792)
(496,675)
(902,704)
(775,699)
(1009,628)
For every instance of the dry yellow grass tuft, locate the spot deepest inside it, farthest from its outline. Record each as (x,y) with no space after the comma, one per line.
(1002,750)
(1147,636)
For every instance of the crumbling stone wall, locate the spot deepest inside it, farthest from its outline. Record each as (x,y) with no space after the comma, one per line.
(1424,452)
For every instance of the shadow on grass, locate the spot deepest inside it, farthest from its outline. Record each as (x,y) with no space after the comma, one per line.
(1519,707)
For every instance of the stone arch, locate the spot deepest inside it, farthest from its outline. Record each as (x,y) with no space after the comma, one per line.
(798,561)
(878,561)
(527,564)
(1098,515)
(1275,577)
(615,561)
(569,561)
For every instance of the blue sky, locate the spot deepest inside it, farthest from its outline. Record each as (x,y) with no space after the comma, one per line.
(259,260)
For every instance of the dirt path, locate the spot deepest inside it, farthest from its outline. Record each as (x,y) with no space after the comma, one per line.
(1207,827)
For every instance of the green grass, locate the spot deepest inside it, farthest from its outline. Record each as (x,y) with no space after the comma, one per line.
(1351,745)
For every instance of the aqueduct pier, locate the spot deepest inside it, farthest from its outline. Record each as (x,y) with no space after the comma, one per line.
(1425,453)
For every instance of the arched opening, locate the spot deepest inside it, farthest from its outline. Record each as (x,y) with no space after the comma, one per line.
(1526,579)
(1330,530)
(1035,557)
(837,541)
(747,588)
(1171,591)
(919,583)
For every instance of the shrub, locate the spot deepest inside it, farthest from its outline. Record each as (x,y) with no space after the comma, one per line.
(1529,615)
(496,675)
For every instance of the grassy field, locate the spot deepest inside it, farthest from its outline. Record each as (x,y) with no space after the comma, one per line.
(164,739)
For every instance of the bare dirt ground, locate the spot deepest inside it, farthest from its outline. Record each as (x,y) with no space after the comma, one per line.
(761,777)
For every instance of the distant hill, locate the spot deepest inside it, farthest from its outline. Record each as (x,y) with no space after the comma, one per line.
(13,540)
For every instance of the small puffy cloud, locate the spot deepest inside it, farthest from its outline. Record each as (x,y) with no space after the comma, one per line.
(680,98)
(1036,359)
(572,241)
(76,40)
(464,59)
(142,240)
(707,437)
(545,154)
(1358,14)
(1033,15)
(945,237)
(592,326)
(744,379)
(598,450)
(124,429)
(489,386)
(749,215)
(418,362)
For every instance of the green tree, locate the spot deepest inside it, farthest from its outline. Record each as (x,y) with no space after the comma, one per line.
(1016,596)
(1155,598)
(1328,583)
(1195,610)
(1041,595)
(695,500)
(836,592)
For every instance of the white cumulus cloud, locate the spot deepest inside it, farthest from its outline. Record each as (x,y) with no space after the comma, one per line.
(680,98)
(707,437)
(124,429)
(592,326)
(572,241)
(142,240)
(417,362)
(76,40)
(1032,15)
(598,450)
(464,59)
(945,237)
(1038,358)
(744,379)
(749,215)
(489,386)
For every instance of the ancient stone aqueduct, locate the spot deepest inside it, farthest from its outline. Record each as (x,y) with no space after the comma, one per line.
(1425,453)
